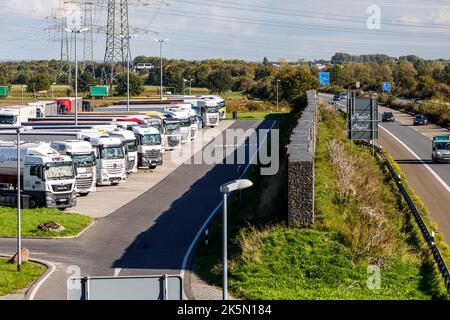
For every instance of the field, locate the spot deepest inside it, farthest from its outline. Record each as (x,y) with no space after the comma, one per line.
(31,219)
(11,280)
(364,245)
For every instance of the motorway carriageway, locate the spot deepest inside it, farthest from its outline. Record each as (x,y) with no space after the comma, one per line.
(411,149)
(152,234)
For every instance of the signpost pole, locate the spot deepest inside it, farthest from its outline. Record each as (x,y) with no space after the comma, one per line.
(19,231)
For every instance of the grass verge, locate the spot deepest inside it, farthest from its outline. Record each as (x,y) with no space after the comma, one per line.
(31,219)
(12,281)
(364,245)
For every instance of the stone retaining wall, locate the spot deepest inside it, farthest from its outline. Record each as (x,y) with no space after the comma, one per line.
(301,151)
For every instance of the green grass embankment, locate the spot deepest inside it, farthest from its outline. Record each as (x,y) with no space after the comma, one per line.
(12,281)
(362,227)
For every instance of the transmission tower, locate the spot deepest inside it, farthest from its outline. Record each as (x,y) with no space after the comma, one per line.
(66,61)
(88,22)
(117,38)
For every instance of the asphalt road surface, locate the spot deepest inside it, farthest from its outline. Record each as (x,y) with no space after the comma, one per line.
(411,149)
(150,235)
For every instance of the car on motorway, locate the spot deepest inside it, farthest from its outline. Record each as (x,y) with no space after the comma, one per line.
(337,97)
(441,149)
(387,117)
(344,95)
(420,119)
(417,101)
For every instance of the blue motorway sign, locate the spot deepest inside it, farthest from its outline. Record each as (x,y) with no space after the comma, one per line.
(324,78)
(386,86)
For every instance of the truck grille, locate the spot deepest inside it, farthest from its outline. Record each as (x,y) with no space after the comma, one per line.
(153,154)
(62,188)
(115,168)
(84,183)
(213,120)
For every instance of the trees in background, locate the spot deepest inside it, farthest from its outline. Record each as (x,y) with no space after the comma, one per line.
(38,82)
(136,84)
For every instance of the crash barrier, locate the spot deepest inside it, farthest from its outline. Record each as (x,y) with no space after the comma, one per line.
(429,236)
(301,151)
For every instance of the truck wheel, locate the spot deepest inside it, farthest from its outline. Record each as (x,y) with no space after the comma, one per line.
(33,204)
(152,167)
(84,194)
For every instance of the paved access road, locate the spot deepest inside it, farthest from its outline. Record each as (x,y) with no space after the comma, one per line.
(150,235)
(411,149)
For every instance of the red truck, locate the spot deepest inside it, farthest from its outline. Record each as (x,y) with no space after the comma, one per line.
(67,105)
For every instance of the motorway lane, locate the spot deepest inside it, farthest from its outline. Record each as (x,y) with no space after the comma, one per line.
(434,193)
(150,235)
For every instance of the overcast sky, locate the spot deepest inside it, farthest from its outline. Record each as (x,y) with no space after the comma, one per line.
(245,29)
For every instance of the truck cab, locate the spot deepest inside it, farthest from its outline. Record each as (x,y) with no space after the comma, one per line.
(47,176)
(15,116)
(441,149)
(111,159)
(131,147)
(210,113)
(84,162)
(149,147)
(172,133)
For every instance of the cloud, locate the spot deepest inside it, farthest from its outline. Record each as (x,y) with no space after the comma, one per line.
(38,7)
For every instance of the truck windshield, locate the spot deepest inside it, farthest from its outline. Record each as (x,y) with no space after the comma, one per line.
(158,127)
(60,170)
(212,110)
(83,159)
(443,146)
(7,119)
(151,140)
(116,152)
(132,146)
(172,127)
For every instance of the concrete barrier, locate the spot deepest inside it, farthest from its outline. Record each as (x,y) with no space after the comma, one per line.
(301,151)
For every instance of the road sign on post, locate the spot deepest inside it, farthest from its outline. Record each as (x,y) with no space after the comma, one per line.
(386,86)
(126,288)
(358,85)
(324,78)
(362,118)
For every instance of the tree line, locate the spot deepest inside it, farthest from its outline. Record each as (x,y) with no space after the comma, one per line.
(264,80)
(410,76)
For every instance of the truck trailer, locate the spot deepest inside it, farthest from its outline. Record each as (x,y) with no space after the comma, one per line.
(47,177)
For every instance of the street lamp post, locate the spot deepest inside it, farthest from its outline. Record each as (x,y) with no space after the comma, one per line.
(128,37)
(278,95)
(19,231)
(161,42)
(190,86)
(76,32)
(53,96)
(225,190)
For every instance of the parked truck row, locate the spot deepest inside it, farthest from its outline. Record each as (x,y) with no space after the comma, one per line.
(60,161)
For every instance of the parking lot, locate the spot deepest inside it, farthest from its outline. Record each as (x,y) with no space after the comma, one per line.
(108,199)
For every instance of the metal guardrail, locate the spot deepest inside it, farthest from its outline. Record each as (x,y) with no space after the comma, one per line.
(429,236)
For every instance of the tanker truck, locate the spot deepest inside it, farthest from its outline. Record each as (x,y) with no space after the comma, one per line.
(47,177)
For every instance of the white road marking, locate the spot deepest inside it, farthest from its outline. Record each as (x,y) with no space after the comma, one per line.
(117,272)
(211,216)
(41,281)
(439,179)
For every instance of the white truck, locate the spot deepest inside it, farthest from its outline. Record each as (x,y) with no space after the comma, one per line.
(149,147)
(111,158)
(45,108)
(83,158)
(15,116)
(131,145)
(441,149)
(210,113)
(47,177)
